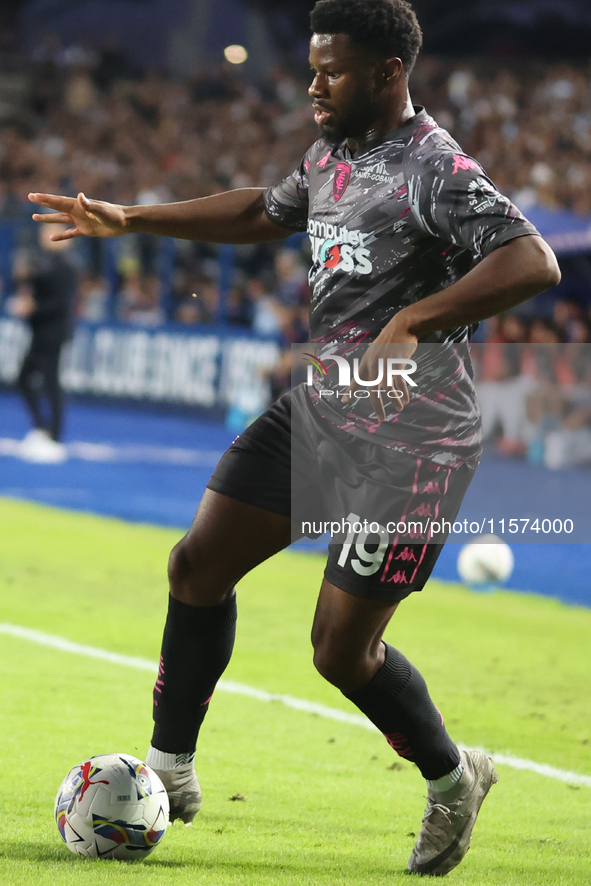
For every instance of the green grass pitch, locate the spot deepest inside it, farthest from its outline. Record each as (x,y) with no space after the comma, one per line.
(325,803)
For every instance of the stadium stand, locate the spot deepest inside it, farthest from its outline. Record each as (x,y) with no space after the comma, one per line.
(75,119)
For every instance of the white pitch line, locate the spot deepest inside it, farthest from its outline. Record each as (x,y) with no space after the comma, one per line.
(298,704)
(107,453)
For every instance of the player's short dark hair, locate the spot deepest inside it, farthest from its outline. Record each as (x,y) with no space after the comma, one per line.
(387,28)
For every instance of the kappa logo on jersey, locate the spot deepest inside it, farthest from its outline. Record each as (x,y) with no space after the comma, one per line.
(378,172)
(341,180)
(482,195)
(338,248)
(461,162)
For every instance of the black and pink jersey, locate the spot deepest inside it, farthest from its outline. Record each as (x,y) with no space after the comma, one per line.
(405,219)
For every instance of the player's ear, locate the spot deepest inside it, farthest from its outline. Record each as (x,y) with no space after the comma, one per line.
(392,69)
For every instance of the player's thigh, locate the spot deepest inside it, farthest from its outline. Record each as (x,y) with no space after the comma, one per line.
(245,515)
(226,540)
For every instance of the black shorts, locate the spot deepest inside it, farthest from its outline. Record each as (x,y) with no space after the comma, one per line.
(383,504)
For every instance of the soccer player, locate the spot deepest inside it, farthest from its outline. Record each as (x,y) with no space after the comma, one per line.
(45,302)
(411,243)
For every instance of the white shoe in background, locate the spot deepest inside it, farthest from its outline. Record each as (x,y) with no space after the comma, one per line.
(39,447)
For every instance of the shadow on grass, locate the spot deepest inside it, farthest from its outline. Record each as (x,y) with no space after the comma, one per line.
(318,867)
(306,865)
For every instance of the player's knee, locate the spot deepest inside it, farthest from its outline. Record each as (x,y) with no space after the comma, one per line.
(331,663)
(193,576)
(188,572)
(323,664)
(179,565)
(346,664)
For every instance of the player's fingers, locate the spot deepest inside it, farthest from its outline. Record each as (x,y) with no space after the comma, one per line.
(56,218)
(375,398)
(346,398)
(95,210)
(88,206)
(406,398)
(67,235)
(52,201)
(403,397)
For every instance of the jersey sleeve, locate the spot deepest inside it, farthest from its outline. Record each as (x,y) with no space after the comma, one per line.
(286,203)
(453,199)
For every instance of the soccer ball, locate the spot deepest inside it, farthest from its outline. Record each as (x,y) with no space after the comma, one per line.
(112,806)
(488,559)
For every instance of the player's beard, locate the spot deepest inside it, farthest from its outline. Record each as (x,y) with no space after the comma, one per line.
(358,120)
(332,136)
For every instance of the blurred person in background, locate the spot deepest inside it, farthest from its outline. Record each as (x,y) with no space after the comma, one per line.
(514,328)
(140,301)
(266,309)
(44,300)
(566,418)
(187,312)
(93,298)
(503,388)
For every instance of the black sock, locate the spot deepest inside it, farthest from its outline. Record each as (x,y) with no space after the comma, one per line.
(397,701)
(196,649)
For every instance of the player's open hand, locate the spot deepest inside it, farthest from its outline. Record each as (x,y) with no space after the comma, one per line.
(390,364)
(84,217)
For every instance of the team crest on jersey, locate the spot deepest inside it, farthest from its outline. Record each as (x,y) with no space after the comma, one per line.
(341,180)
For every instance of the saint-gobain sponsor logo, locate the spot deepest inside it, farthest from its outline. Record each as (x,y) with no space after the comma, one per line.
(338,248)
(376,173)
(388,369)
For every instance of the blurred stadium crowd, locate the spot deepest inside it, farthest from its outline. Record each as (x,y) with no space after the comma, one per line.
(536,400)
(74,119)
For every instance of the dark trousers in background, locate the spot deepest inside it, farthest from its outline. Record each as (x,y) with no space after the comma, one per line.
(38,379)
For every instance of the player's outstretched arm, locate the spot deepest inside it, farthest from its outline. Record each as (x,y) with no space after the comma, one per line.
(233,217)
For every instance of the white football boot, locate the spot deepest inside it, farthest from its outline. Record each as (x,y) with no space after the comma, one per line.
(184,792)
(444,838)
